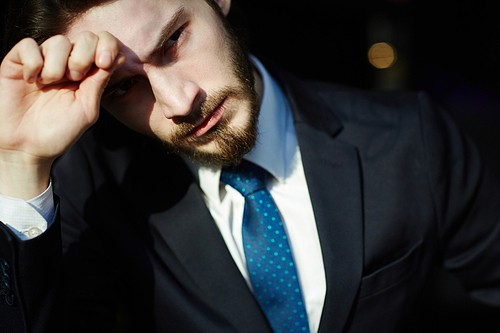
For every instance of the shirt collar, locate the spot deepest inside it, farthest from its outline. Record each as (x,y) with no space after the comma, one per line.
(269,152)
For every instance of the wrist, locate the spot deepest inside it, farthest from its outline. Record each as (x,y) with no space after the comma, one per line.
(23,177)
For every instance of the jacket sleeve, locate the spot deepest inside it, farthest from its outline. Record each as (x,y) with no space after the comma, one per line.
(30,276)
(466,195)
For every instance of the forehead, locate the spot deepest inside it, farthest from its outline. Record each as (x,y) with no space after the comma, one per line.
(134,22)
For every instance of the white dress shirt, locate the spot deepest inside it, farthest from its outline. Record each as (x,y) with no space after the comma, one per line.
(278,152)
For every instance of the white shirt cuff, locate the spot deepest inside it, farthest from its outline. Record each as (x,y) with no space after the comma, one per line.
(28,219)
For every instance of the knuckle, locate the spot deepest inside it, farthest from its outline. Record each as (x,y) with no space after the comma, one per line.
(27,46)
(105,34)
(78,63)
(59,40)
(30,54)
(54,43)
(86,37)
(27,43)
(108,39)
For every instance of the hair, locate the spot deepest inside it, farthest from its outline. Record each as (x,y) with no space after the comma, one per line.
(42,19)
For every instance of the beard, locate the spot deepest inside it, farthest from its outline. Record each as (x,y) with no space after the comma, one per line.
(229,143)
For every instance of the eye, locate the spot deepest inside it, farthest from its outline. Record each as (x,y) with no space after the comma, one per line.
(173,39)
(123,89)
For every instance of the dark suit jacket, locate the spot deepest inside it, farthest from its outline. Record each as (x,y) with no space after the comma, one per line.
(395,188)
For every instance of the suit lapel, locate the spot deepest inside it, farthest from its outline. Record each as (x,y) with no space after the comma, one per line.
(333,174)
(192,238)
(185,239)
(333,177)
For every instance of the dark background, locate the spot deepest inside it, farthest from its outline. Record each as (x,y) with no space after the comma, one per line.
(450,49)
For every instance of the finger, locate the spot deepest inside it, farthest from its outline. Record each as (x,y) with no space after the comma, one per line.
(107,60)
(24,61)
(82,55)
(107,50)
(92,87)
(55,52)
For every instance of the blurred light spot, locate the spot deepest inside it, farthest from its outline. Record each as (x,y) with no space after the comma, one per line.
(382,55)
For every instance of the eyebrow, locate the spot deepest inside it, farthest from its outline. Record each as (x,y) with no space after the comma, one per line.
(166,32)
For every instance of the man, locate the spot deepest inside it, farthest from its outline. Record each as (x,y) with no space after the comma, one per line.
(372,189)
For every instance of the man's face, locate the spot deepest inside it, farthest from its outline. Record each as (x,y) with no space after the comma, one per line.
(186,80)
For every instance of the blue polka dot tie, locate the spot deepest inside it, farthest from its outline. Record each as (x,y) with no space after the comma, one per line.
(269,260)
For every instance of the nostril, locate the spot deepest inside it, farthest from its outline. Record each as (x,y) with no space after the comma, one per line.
(179,119)
(193,117)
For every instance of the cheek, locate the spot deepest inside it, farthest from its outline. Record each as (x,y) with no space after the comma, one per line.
(137,114)
(210,59)
(158,126)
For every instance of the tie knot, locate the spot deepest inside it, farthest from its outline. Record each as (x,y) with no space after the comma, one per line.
(246,177)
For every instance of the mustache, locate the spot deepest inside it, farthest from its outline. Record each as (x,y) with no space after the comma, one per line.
(186,124)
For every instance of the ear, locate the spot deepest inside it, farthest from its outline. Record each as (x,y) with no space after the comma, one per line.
(224,5)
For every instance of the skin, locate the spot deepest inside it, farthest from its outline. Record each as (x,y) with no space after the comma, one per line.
(49,95)
(43,110)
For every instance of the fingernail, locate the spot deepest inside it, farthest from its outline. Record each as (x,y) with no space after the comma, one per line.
(105,59)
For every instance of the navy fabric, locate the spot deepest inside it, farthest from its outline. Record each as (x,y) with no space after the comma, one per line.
(268,256)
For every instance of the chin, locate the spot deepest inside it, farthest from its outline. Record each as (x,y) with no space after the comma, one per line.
(222,146)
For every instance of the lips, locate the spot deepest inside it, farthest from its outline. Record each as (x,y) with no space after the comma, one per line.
(209,122)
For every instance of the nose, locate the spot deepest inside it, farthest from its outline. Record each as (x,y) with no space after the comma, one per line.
(174,93)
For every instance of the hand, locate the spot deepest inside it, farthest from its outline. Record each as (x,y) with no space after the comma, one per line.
(49,96)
